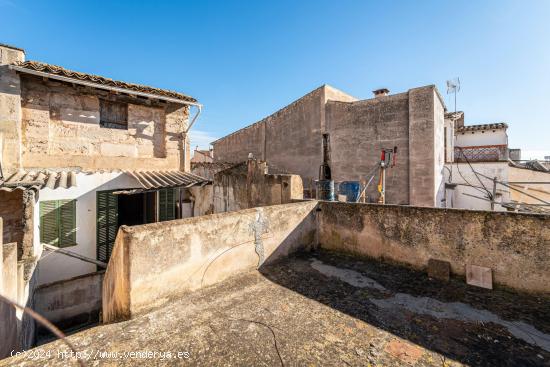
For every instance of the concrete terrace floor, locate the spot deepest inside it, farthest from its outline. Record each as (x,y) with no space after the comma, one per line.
(323,308)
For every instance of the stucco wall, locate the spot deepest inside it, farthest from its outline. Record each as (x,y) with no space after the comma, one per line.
(152,263)
(514,246)
(482,137)
(53,267)
(60,128)
(70,302)
(248,185)
(463,175)
(8,288)
(540,190)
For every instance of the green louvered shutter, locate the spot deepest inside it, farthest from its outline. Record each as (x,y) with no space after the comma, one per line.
(58,222)
(49,233)
(107,224)
(167,204)
(67,222)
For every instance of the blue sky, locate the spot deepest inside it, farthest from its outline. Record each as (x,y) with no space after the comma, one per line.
(244,60)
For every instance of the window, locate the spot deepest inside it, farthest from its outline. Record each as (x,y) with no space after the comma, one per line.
(167,204)
(58,222)
(107,224)
(113,115)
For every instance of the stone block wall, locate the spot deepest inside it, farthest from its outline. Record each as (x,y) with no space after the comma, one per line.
(515,246)
(359,130)
(248,185)
(60,128)
(152,263)
(10,109)
(289,140)
(12,213)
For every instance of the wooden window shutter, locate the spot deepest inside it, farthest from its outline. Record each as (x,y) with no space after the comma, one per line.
(49,223)
(107,224)
(58,222)
(167,204)
(67,222)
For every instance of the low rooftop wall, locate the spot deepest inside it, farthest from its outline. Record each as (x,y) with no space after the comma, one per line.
(515,246)
(71,302)
(154,262)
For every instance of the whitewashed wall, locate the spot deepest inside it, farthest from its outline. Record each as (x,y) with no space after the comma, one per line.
(462,174)
(486,137)
(52,266)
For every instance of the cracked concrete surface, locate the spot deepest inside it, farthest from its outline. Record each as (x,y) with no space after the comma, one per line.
(323,309)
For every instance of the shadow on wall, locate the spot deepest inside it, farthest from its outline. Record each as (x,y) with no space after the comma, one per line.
(195,252)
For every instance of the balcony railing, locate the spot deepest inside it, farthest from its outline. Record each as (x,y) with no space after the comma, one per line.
(481,153)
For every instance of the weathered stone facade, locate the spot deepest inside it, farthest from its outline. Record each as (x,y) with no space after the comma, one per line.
(49,123)
(291,139)
(60,126)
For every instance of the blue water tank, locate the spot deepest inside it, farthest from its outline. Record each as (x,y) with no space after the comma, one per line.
(351,189)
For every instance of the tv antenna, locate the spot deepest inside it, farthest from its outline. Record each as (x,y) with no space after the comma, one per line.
(453,86)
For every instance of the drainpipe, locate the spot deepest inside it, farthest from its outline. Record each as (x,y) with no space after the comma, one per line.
(199,110)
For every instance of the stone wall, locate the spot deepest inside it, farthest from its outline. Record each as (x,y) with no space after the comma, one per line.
(152,263)
(358,132)
(514,246)
(8,288)
(290,139)
(10,109)
(249,185)
(70,302)
(60,128)
(11,211)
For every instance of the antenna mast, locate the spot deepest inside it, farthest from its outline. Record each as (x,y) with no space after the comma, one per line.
(453,86)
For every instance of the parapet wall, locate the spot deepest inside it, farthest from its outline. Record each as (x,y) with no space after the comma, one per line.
(515,246)
(71,302)
(155,262)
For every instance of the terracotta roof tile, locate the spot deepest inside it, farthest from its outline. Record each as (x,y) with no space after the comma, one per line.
(498,125)
(58,70)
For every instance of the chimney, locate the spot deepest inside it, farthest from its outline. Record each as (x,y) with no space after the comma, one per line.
(10,54)
(382,92)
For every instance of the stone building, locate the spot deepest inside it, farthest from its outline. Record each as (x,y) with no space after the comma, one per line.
(202,156)
(81,155)
(292,139)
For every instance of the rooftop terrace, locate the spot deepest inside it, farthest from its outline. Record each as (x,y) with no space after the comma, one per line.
(324,308)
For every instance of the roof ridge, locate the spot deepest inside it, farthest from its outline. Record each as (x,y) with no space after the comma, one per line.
(59,70)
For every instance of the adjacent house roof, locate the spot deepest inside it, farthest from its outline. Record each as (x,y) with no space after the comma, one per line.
(146,180)
(39,179)
(98,81)
(498,125)
(154,180)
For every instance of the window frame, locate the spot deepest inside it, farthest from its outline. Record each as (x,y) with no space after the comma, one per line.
(108,123)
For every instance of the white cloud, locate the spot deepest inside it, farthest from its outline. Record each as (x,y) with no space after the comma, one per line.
(201,138)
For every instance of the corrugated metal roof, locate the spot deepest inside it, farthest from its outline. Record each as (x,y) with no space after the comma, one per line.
(146,180)
(154,180)
(39,179)
(160,179)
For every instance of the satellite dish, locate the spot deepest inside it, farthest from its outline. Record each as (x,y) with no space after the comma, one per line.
(453,85)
